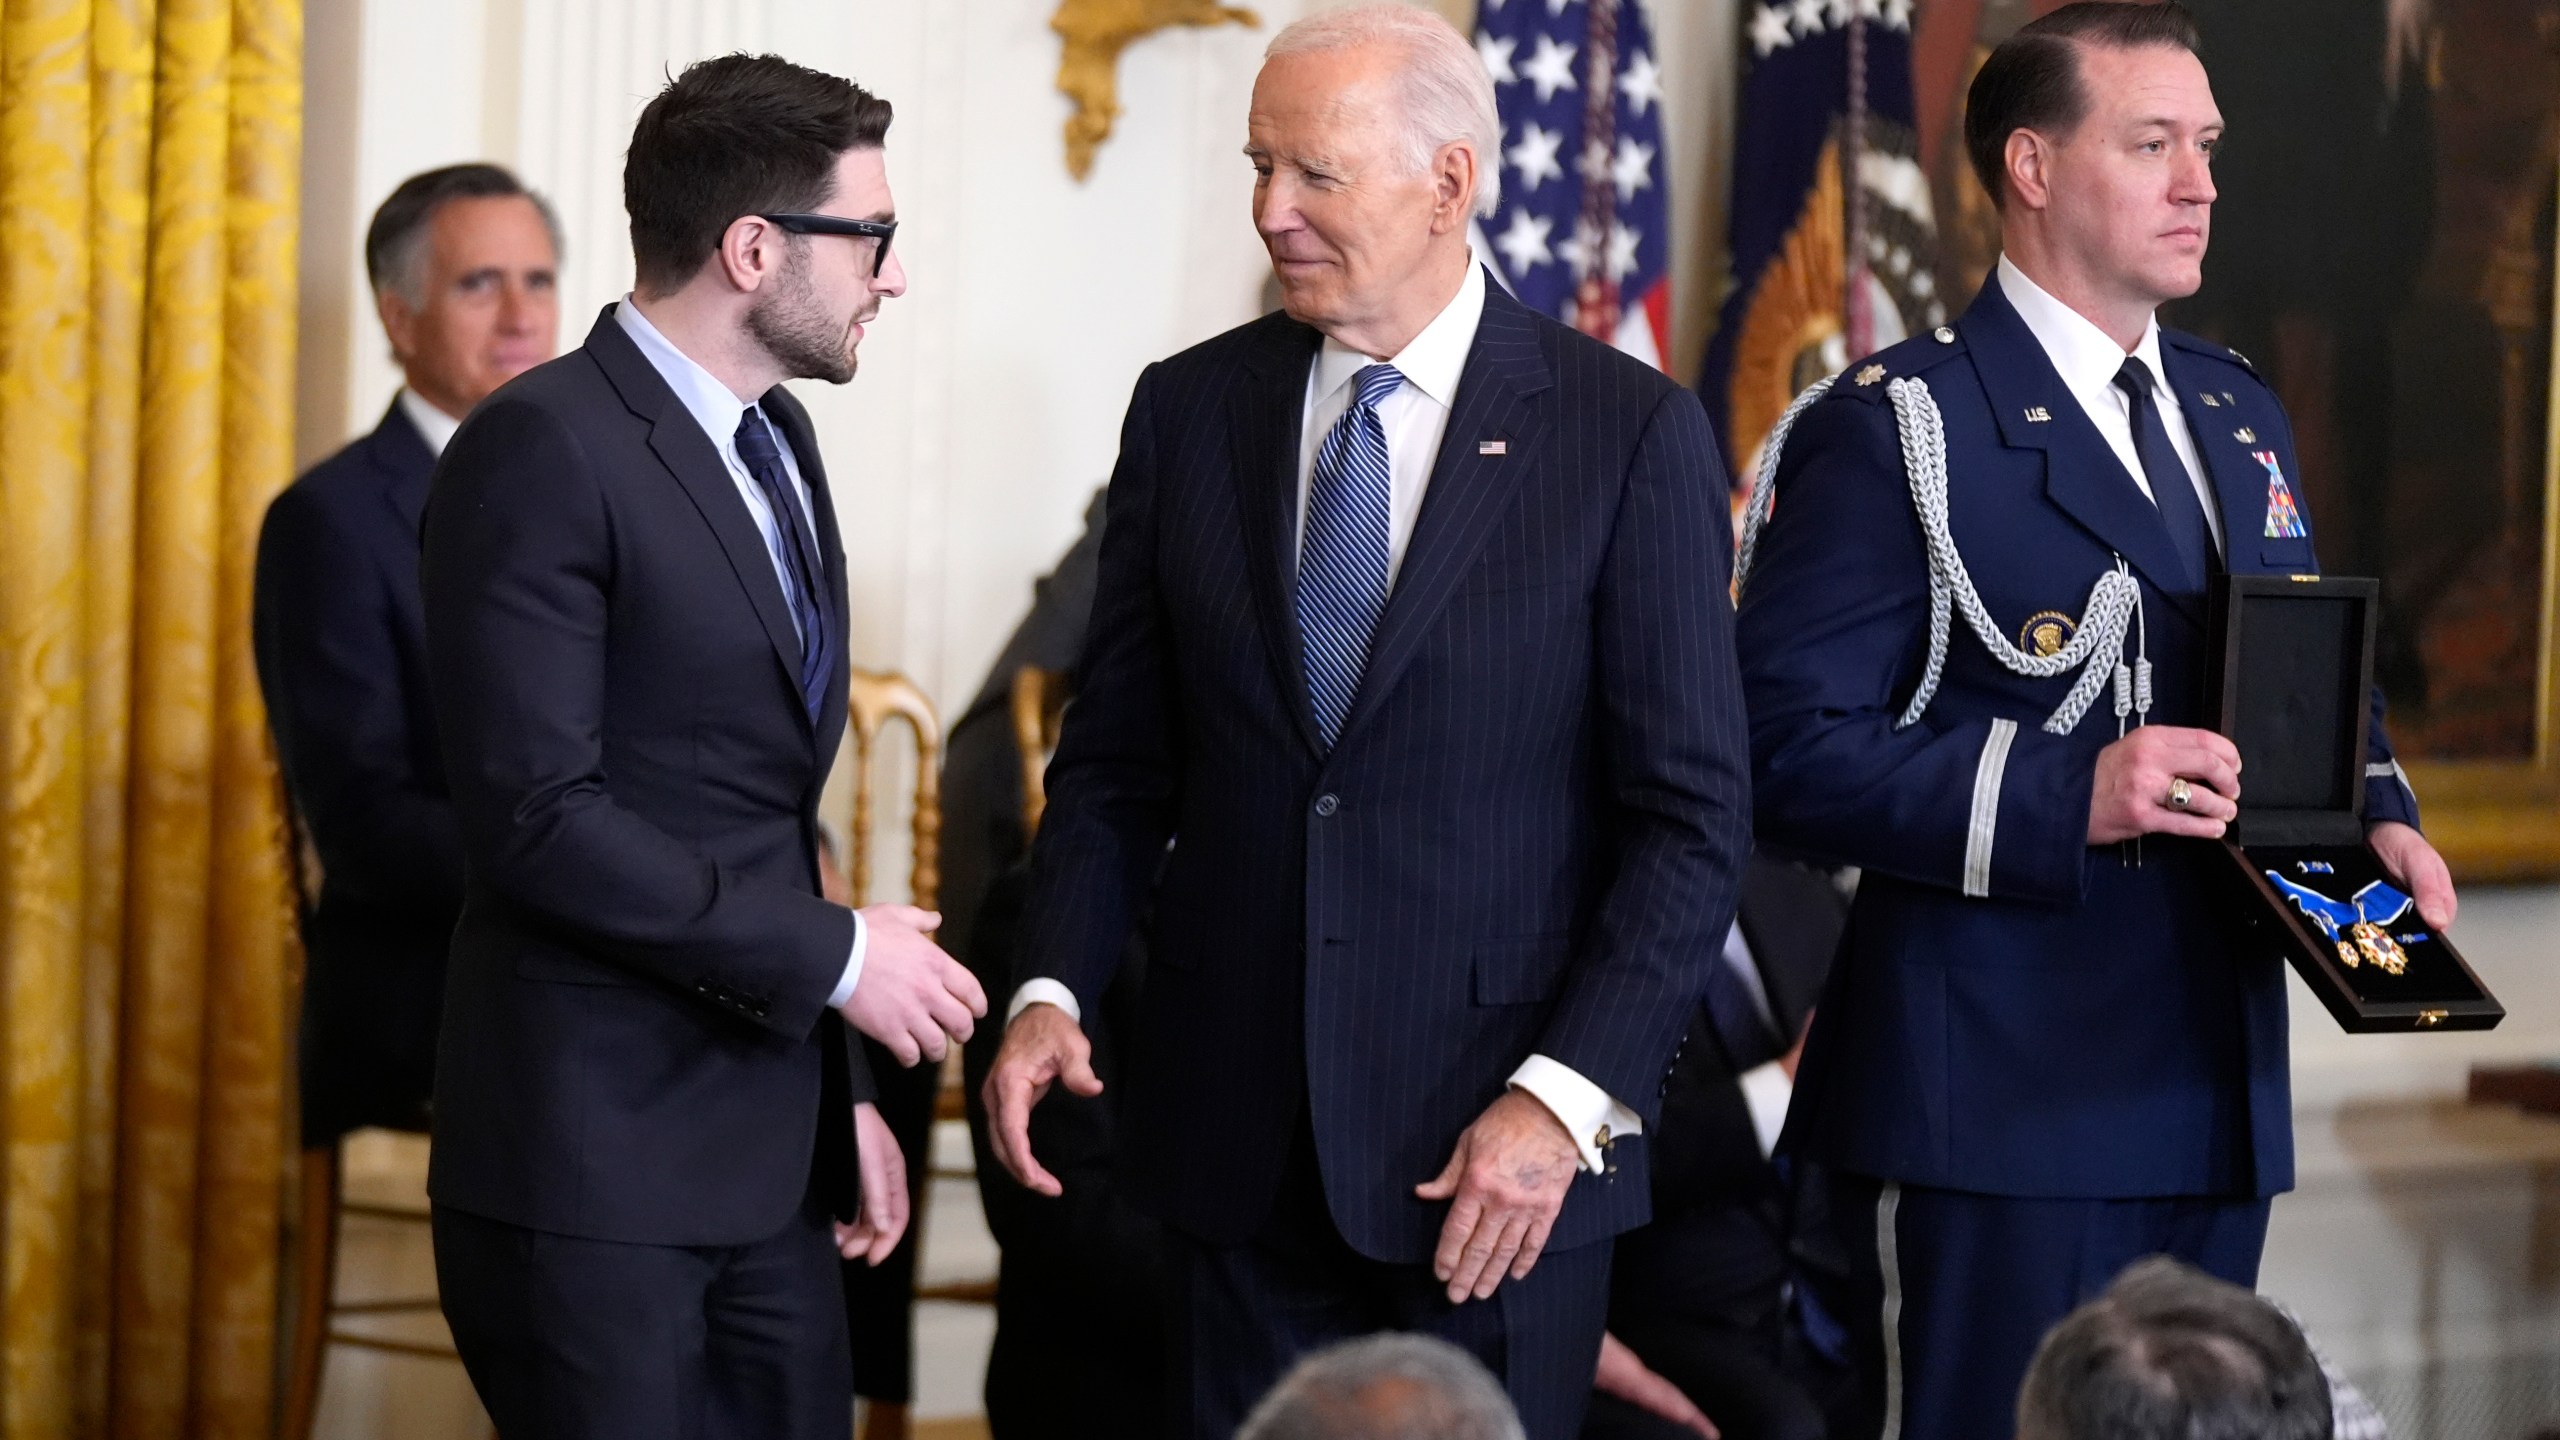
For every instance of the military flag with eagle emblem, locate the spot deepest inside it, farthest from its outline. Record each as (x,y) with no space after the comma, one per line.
(1584,231)
(1832,236)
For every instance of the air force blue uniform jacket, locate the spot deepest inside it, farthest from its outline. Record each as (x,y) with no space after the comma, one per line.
(2015,1011)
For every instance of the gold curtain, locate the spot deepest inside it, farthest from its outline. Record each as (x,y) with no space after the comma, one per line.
(149,154)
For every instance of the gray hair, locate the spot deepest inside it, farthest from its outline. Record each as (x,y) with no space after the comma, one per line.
(396,242)
(1447,96)
(1386,1387)
(2171,1353)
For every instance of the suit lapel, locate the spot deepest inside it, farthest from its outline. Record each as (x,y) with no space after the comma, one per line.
(1469,491)
(803,439)
(1269,411)
(2239,481)
(401,454)
(687,453)
(2083,475)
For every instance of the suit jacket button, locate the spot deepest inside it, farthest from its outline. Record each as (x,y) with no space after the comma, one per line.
(1326,805)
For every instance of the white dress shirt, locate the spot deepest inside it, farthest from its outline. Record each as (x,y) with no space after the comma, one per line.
(1415,417)
(2088,360)
(717,409)
(1766,1088)
(434,426)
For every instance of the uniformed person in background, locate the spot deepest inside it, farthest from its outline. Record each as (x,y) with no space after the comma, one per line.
(2049,1047)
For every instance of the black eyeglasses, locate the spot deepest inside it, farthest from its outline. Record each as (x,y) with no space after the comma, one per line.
(881,230)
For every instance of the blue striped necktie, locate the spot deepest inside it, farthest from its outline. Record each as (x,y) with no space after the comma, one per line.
(1342,563)
(795,555)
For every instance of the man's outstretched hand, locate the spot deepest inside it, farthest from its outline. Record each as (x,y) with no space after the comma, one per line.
(1505,1181)
(882,1220)
(1043,1046)
(911,996)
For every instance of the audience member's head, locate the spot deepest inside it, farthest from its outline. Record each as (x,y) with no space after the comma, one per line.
(759,198)
(1373,136)
(2170,1353)
(465,264)
(1385,1387)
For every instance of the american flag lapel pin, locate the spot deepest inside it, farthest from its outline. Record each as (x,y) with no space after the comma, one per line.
(1493,447)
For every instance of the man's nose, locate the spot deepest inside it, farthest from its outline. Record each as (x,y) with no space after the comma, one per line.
(2194,181)
(1275,208)
(892,279)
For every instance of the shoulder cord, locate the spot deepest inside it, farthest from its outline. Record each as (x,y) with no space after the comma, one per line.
(2097,648)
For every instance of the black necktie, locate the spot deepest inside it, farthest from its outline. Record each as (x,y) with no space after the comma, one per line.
(2172,488)
(796,556)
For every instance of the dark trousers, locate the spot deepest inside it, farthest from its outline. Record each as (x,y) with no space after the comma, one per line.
(1240,1315)
(880,1301)
(1949,1293)
(567,1339)
(1701,1298)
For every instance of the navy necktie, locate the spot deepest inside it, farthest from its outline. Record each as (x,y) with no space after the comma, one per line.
(795,555)
(2172,488)
(1342,563)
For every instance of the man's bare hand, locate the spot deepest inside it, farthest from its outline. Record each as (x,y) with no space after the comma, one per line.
(1043,1045)
(2137,774)
(1623,1374)
(2409,859)
(911,996)
(882,1221)
(1505,1181)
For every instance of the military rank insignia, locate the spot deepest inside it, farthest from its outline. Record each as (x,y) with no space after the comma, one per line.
(2284,518)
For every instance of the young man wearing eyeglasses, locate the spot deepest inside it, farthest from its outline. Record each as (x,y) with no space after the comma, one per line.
(649,1107)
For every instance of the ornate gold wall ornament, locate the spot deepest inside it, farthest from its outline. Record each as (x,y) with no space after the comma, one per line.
(1095,32)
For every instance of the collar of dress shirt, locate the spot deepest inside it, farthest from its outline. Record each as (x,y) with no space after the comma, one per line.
(434,426)
(2087,357)
(713,405)
(1432,361)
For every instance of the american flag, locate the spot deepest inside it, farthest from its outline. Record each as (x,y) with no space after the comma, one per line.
(1584,229)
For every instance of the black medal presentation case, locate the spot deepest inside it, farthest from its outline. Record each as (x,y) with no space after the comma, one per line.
(2292,692)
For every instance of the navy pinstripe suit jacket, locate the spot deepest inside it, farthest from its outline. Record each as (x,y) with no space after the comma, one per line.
(1527,840)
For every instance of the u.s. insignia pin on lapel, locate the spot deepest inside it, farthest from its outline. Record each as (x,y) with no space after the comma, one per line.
(2038,415)
(1493,447)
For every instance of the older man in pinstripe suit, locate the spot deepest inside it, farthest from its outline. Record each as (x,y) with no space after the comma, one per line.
(1410,687)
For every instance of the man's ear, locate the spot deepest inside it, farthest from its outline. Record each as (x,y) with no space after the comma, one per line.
(1453,187)
(399,322)
(2028,161)
(750,253)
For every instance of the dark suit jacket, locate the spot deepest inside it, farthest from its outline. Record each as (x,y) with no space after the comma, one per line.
(636,1036)
(341,648)
(1527,838)
(1707,1154)
(2089,1027)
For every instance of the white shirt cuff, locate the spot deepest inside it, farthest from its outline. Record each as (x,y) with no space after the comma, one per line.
(1044,992)
(1765,1093)
(853,963)
(1589,1114)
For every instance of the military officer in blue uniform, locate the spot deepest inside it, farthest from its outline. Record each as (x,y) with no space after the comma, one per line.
(1974,647)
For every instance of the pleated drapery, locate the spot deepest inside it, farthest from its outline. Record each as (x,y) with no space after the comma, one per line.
(149,154)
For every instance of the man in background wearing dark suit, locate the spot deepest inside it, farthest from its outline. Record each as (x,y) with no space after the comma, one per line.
(1699,1320)
(1412,642)
(647,1100)
(464,263)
